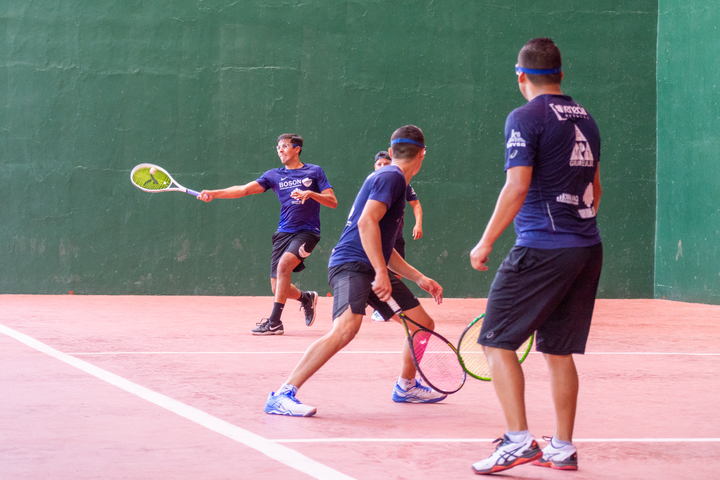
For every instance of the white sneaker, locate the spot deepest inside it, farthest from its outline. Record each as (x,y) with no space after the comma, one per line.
(509,454)
(563,458)
(286,404)
(377,317)
(418,393)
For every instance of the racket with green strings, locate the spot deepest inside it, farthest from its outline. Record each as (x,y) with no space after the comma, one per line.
(471,354)
(151,178)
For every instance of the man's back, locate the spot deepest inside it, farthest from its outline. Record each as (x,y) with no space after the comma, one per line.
(560,140)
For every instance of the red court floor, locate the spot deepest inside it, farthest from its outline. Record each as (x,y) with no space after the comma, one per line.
(120,387)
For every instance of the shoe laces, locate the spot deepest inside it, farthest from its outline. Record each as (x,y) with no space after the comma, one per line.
(290,395)
(262,322)
(420,386)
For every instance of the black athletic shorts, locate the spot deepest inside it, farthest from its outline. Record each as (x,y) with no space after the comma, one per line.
(352,285)
(550,292)
(300,244)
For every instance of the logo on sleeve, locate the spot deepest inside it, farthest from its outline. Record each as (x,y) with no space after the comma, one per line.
(516,140)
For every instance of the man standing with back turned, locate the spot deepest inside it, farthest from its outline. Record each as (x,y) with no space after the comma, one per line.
(549,280)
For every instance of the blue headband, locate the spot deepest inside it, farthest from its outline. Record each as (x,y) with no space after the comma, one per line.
(533,71)
(407,140)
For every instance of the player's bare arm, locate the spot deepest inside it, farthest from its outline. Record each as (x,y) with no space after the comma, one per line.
(510,200)
(236,191)
(418,213)
(597,188)
(325,198)
(398,265)
(369,230)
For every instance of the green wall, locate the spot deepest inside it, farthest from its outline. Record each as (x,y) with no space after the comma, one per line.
(687,262)
(91,88)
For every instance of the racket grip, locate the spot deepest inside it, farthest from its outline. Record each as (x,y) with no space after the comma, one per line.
(394,305)
(192,192)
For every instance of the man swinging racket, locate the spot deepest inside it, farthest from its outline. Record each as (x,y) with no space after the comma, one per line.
(301,189)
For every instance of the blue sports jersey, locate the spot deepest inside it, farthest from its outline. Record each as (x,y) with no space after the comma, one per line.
(560,140)
(294,215)
(386,185)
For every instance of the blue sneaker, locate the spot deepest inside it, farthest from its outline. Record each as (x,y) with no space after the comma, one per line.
(285,403)
(418,393)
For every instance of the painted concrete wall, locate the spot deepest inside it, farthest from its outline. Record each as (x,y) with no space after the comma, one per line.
(91,88)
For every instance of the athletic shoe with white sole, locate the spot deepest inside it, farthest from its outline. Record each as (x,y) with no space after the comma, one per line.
(377,317)
(285,403)
(310,308)
(509,454)
(563,458)
(418,393)
(265,328)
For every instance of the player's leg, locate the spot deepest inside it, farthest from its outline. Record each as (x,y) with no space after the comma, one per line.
(344,329)
(564,386)
(408,388)
(298,250)
(282,285)
(273,324)
(515,302)
(565,333)
(289,251)
(509,383)
(351,287)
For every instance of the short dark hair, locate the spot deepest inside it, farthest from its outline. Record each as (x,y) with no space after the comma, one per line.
(541,54)
(294,138)
(382,154)
(406,149)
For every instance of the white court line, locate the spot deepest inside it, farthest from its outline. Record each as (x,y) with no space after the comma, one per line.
(362,352)
(487,440)
(272,449)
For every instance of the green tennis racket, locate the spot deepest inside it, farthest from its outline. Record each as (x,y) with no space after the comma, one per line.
(151,178)
(471,353)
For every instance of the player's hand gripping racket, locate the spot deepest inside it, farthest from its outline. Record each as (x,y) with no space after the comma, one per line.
(471,353)
(151,178)
(434,356)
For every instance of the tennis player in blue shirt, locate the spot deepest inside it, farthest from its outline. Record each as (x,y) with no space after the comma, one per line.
(382,159)
(301,189)
(548,282)
(358,274)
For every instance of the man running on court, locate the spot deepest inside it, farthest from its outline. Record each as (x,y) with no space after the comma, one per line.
(301,189)
(549,280)
(358,274)
(382,159)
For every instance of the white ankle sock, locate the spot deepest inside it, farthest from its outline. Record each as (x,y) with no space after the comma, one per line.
(559,443)
(406,384)
(285,388)
(517,437)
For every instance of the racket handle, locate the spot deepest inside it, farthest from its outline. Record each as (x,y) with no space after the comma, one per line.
(394,305)
(192,192)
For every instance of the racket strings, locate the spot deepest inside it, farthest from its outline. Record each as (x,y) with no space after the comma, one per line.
(155,181)
(473,357)
(438,361)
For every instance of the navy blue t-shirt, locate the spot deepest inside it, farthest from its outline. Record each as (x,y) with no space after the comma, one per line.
(386,185)
(560,140)
(294,215)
